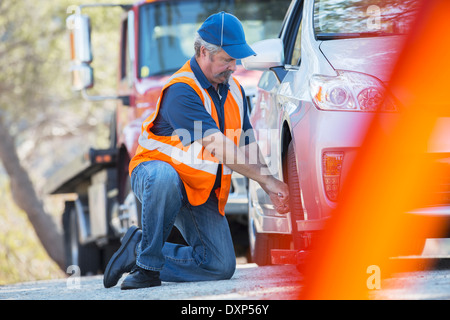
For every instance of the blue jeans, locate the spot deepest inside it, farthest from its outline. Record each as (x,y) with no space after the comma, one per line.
(210,252)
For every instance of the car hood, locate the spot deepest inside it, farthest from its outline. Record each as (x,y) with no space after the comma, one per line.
(374,56)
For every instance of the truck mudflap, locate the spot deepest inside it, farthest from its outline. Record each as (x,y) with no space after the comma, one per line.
(81,169)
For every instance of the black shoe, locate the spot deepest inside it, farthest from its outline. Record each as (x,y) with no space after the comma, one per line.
(141,278)
(123,259)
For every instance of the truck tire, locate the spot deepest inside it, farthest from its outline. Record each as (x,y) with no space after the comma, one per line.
(85,257)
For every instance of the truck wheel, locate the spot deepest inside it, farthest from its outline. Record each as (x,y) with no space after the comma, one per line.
(86,257)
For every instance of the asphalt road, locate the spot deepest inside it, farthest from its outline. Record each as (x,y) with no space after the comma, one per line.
(248,283)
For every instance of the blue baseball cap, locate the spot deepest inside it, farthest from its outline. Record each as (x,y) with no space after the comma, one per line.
(225,30)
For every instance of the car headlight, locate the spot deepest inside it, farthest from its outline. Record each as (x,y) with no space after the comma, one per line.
(351,91)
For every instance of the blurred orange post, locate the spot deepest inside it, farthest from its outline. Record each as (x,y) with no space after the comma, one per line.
(391,172)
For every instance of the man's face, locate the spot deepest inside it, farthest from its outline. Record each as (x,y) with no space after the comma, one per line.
(219,67)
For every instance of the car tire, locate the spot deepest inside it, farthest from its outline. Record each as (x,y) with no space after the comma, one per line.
(295,198)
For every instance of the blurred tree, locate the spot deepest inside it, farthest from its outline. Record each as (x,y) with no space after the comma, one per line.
(38,112)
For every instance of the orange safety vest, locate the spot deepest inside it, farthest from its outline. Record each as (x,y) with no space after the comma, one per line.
(195,165)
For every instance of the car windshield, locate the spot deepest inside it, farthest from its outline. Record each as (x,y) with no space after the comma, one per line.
(167,28)
(339,19)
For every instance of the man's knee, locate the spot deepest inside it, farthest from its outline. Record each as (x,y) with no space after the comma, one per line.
(160,170)
(228,270)
(224,270)
(161,175)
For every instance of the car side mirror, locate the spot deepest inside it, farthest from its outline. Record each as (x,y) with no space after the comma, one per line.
(269,54)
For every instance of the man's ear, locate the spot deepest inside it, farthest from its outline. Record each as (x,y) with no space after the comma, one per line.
(203,52)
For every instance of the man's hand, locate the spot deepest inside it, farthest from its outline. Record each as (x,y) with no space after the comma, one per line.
(238,160)
(278,192)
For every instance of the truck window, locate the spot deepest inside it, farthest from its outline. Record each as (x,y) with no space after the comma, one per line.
(167,29)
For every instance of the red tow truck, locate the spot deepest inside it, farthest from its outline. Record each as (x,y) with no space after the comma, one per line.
(156,39)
